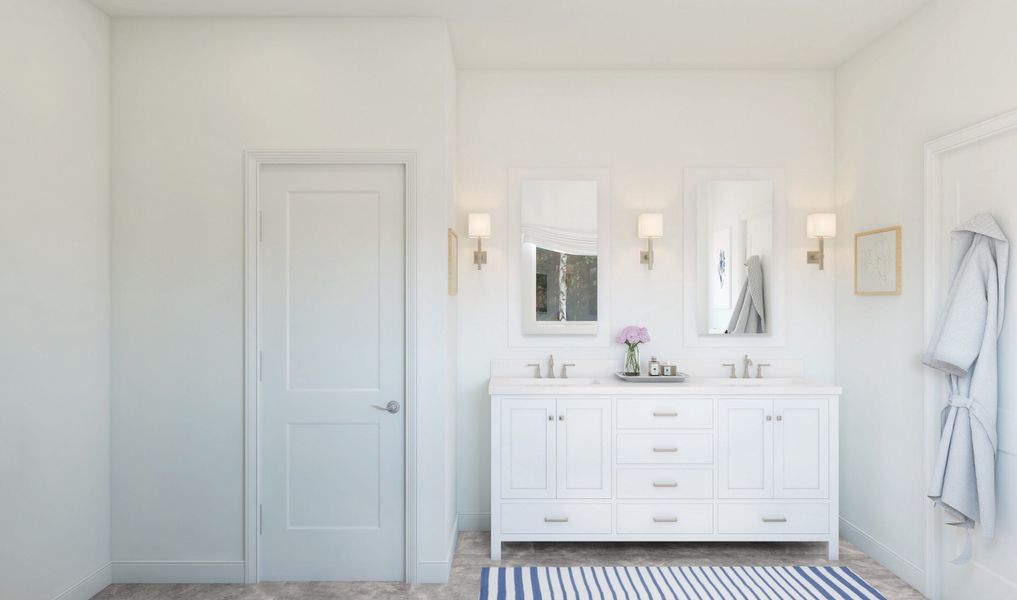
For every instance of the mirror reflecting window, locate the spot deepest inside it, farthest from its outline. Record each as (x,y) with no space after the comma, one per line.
(559,236)
(557,219)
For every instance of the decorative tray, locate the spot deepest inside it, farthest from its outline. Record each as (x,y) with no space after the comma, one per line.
(679,378)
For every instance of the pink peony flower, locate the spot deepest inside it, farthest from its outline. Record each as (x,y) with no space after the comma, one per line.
(633,335)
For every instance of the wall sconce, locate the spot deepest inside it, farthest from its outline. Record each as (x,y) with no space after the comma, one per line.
(479,228)
(651,227)
(819,226)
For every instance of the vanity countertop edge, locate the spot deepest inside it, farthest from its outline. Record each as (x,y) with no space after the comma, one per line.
(611,386)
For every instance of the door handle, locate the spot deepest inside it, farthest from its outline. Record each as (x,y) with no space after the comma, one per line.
(392,407)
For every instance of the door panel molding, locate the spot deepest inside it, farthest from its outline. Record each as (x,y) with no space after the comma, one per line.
(254,160)
(935,151)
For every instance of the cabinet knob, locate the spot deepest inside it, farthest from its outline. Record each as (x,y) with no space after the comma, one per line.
(780,417)
(550,417)
(769,417)
(561,417)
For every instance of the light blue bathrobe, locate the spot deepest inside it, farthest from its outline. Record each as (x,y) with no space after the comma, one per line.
(964,347)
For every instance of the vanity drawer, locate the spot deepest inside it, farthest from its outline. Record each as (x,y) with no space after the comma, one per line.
(664,483)
(549,517)
(774,518)
(665,448)
(665,518)
(664,413)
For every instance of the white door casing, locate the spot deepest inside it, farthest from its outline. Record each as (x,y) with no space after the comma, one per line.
(331,293)
(969,172)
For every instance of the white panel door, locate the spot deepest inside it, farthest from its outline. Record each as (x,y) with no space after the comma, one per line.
(584,447)
(331,279)
(981,177)
(527,448)
(801,448)
(745,446)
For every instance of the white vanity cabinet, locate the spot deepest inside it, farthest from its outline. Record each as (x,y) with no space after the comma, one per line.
(673,463)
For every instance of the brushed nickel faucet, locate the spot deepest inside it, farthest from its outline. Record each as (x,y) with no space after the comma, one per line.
(537,367)
(565,370)
(746,363)
(759,369)
(550,367)
(734,374)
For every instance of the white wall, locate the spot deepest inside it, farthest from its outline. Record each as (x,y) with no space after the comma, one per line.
(951,65)
(54,299)
(646,126)
(191,95)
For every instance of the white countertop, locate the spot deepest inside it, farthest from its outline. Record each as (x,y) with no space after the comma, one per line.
(694,386)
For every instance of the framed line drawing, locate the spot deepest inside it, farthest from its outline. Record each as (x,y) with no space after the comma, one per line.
(877,262)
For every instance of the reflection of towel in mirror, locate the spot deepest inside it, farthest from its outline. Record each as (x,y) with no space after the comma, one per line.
(749,314)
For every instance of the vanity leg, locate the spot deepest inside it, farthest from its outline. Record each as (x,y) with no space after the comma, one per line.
(495,547)
(833,548)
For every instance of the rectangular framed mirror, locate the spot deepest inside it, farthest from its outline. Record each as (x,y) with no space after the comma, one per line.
(558,254)
(734,257)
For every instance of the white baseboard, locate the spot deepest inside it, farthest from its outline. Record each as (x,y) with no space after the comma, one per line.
(475,521)
(90,585)
(155,571)
(913,574)
(439,571)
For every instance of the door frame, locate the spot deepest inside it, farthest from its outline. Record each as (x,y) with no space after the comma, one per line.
(933,298)
(254,160)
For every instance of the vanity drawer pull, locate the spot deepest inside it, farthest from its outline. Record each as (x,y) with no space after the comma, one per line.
(556,519)
(665,413)
(775,519)
(670,449)
(665,484)
(665,519)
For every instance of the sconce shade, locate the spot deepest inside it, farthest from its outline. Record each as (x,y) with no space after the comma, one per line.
(479,225)
(821,225)
(651,225)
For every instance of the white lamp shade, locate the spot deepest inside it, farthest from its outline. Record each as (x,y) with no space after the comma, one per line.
(821,225)
(480,225)
(651,225)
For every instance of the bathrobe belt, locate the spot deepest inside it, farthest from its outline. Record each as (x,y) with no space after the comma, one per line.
(958,401)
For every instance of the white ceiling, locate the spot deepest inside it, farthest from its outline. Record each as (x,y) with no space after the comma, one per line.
(603,33)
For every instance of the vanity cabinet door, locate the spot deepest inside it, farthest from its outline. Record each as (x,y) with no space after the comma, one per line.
(584,447)
(528,447)
(801,448)
(745,448)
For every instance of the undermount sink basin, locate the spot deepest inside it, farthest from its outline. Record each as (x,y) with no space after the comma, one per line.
(555,382)
(751,382)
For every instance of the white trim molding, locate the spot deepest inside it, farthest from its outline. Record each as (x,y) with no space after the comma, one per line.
(178,571)
(913,574)
(475,521)
(438,571)
(89,585)
(933,298)
(254,159)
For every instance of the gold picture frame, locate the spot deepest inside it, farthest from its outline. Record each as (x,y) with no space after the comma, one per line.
(453,263)
(877,259)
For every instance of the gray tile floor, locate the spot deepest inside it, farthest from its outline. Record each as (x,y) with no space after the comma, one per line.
(472,554)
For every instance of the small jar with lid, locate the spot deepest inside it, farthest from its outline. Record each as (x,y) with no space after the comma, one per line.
(653,368)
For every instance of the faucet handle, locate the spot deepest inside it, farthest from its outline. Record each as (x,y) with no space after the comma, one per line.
(537,367)
(759,369)
(565,370)
(734,374)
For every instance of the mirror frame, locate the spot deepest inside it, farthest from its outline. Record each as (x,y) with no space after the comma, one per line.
(694,178)
(524,329)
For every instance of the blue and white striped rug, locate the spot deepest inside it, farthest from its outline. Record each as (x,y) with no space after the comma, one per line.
(678,583)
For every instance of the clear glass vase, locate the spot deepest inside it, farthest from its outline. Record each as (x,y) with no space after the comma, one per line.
(632,360)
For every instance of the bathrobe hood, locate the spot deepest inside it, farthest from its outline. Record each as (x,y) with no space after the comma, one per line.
(964,348)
